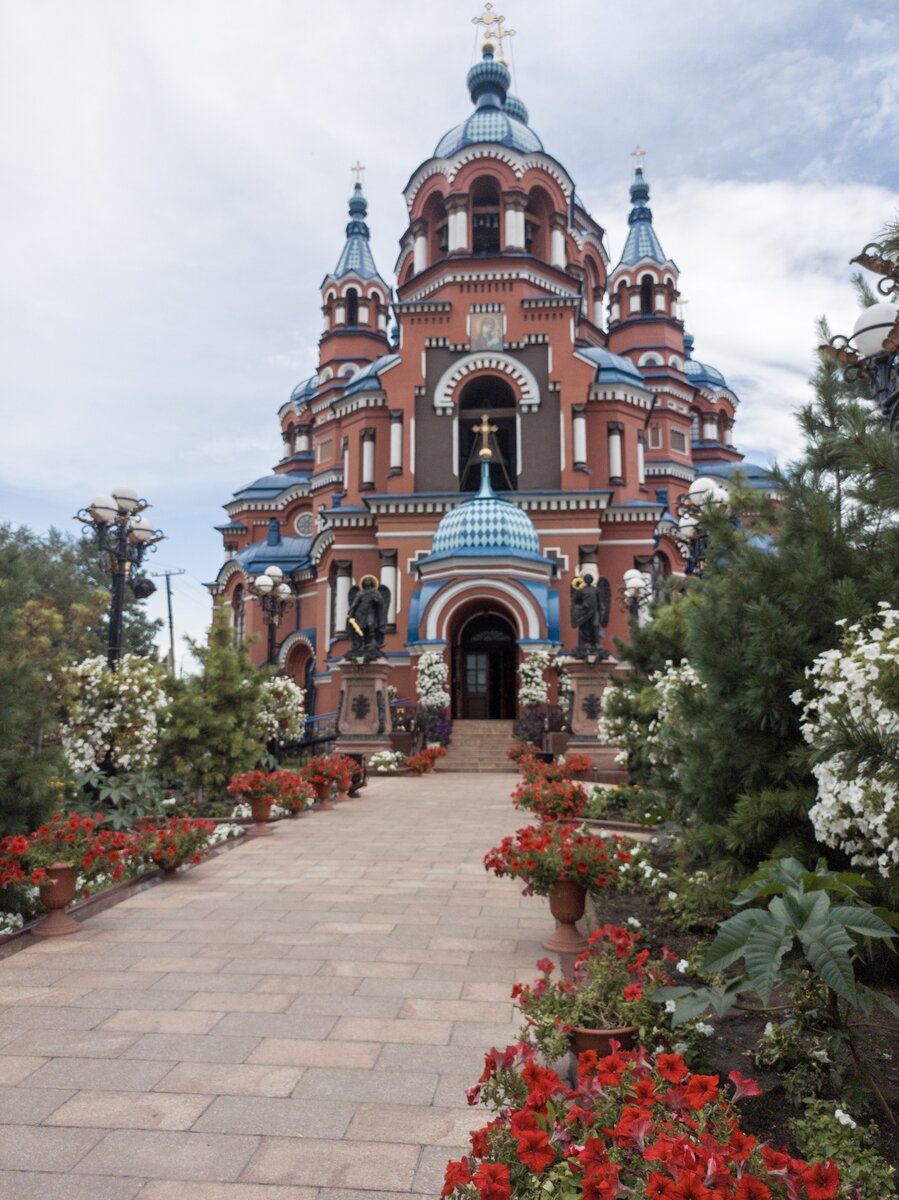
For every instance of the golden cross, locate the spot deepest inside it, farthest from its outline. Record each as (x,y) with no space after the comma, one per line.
(488,19)
(498,34)
(638,155)
(484,430)
(358,168)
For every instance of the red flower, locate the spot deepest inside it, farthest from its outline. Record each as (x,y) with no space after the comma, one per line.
(751,1188)
(744,1087)
(611,1068)
(492,1181)
(671,1067)
(534,1150)
(701,1090)
(691,1187)
(659,1187)
(457,1175)
(632,992)
(822,1181)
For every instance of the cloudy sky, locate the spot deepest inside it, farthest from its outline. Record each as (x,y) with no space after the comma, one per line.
(173,186)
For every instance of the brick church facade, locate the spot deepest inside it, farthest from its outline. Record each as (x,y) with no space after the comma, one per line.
(505,304)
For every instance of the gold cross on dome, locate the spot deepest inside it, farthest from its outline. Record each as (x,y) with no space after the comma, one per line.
(484,431)
(498,34)
(488,19)
(357,168)
(638,155)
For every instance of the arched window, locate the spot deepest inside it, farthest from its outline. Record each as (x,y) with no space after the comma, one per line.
(434,214)
(485,218)
(695,426)
(239,613)
(536,224)
(647,287)
(352,307)
(493,396)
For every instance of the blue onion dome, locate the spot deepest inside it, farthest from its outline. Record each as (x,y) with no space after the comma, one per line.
(515,109)
(498,117)
(698,372)
(486,525)
(642,240)
(304,391)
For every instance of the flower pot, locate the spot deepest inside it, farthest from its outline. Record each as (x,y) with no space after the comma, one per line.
(56,895)
(341,797)
(566,903)
(322,795)
(260,808)
(601,1040)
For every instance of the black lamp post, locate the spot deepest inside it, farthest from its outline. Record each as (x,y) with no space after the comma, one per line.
(123,538)
(635,592)
(692,538)
(874,357)
(274,594)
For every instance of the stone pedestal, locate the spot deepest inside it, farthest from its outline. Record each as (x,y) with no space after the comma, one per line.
(363,713)
(589,679)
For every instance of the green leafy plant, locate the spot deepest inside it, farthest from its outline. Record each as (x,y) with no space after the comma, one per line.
(825,1131)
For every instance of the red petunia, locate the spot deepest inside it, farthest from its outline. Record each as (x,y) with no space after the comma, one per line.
(691,1187)
(659,1187)
(822,1181)
(492,1181)
(632,992)
(751,1188)
(700,1091)
(457,1175)
(743,1086)
(671,1067)
(534,1150)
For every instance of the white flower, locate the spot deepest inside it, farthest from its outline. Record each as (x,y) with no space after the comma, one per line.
(705,1030)
(670,1006)
(682,966)
(768,1031)
(633,922)
(845,1119)
(821,1055)
(672,895)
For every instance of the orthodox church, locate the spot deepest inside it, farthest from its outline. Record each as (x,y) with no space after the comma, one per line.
(508,338)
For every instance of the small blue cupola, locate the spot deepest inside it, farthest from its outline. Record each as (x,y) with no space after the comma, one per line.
(356,256)
(642,240)
(498,116)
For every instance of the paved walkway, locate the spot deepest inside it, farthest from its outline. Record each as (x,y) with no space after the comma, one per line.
(294,1020)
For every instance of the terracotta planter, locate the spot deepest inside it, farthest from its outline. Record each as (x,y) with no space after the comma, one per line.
(323,796)
(260,808)
(566,903)
(601,1040)
(56,896)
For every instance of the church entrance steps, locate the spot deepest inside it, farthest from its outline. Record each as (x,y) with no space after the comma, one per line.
(479,746)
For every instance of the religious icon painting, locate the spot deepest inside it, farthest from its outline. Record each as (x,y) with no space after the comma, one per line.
(486,331)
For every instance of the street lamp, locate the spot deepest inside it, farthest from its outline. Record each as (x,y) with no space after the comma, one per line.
(635,591)
(274,594)
(691,536)
(874,357)
(123,537)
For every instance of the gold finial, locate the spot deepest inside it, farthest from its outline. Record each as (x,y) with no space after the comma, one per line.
(638,155)
(357,169)
(484,430)
(487,19)
(498,35)
(493,29)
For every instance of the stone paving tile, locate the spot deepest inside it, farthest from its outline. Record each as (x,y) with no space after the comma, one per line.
(29,1106)
(484,1033)
(329,1163)
(457,1010)
(25,1146)
(363,1005)
(35,1185)
(315,1054)
(413,1123)
(309,985)
(124,1110)
(451,1092)
(111,1074)
(202,1156)
(365,1086)
(442,1059)
(20,1019)
(167,1189)
(241,1002)
(296,1024)
(365,1029)
(186,1047)
(14,1069)
(491,992)
(369,970)
(147,1021)
(276,1117)
(432,1167)
(430,989)
(209,983)
(70,1043)
(230,1079)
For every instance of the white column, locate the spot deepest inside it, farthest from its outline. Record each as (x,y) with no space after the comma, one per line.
(557,247)
(396,440)
(363,312)
(389,579)
(342,581)
(616,468)
(579,435)
(457,231)
(615,313)
(641,460)
(419,253)
(368,458)
(346,463)
(709,429)
(597,312)
(514,222)
(326,320)
(303,441)
(340,313)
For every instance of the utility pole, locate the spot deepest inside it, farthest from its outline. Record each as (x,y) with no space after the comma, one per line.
(167,575)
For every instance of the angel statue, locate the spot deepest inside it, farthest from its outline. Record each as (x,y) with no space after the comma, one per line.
(590,609)
(367,619)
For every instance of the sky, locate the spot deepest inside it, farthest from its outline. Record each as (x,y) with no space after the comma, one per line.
(173,185)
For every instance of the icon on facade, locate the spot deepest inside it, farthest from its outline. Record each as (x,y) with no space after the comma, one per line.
(486,331)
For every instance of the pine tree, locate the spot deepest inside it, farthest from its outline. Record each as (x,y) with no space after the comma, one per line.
(211,726)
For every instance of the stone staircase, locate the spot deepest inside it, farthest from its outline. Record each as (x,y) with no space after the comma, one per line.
(479,746)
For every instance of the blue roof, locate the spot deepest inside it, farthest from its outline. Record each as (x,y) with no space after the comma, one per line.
(498,117)
(642,241)
(754,475)
(611,368)
(304,391)
(356,256)
(289,553)
(267,487)
(367,377)
(484,526)
(699,373)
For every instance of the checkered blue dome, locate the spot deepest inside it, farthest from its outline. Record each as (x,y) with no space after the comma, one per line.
(498,117)
(487,525)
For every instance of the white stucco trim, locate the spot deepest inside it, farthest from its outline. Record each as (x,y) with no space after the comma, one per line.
(525,609)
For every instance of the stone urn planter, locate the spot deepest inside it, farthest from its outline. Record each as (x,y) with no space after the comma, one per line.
(601,1040)
(567,901)
(341,797)
(323,795)
(260,807)
(56,895)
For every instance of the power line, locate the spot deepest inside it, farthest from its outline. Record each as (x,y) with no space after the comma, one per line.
(167,576)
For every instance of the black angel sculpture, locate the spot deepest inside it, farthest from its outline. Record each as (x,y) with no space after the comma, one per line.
(590,609)
(367,619)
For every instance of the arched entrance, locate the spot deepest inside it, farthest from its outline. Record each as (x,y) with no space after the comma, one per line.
(484,654)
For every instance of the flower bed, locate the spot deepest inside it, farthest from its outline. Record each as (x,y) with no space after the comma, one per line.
(549,854)
(551,800)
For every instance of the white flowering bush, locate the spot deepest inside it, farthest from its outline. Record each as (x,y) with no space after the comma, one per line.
(432,680)
(623,720)
(115,713)
(850,716)
(532,686)
(671,728)
(385,762)
(281,711)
